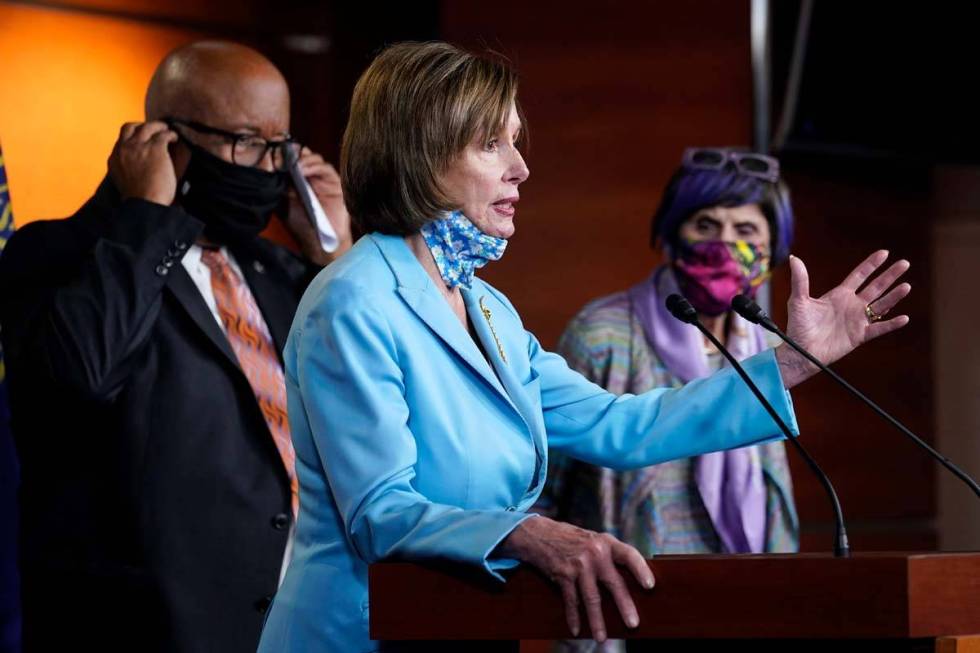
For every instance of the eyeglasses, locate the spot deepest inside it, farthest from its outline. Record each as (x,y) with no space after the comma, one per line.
(248,149)
(749,164)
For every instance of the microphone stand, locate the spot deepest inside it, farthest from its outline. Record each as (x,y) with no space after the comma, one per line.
(681,309)
(752,312)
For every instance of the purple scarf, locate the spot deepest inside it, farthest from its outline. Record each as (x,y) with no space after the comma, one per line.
(730,482)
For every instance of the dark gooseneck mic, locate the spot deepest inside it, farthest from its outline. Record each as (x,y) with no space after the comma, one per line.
(752,312)
(681,309)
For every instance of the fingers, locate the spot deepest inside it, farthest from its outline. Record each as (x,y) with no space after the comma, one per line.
(312,164)
(140,165)
(627,556)
(589,590)
(862,272)
(317,167)
(308,157)
(886,303)
(164,137)
(799,279)
(320,169)
(883,281)
(143,132)
(570,598)
(607,553)
(151,129)
(579,562)
(881,328)
(613,581)
(126,131)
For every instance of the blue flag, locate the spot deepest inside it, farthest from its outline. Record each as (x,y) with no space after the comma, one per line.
(9,604)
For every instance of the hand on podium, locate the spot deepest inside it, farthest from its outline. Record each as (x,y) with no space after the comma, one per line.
(577,560)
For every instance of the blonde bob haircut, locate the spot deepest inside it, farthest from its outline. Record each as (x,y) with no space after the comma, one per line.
(414,110)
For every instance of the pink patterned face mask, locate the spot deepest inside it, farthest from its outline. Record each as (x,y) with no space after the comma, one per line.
(711,273)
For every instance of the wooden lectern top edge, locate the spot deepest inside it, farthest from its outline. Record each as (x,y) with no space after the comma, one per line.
(810,595)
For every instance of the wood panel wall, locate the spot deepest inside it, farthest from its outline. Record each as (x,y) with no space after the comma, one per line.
(613,93)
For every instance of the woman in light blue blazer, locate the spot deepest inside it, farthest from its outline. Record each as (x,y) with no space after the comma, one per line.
(421,409)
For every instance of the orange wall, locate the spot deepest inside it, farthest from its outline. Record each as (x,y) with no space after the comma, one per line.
(69,82)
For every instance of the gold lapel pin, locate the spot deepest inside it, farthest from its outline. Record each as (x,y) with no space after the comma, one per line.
(489,318)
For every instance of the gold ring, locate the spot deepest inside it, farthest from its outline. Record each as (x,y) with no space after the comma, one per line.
(872,316)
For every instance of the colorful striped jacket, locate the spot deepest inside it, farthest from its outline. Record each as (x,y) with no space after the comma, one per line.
(657,513)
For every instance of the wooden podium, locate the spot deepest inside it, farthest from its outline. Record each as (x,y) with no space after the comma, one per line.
(875,601)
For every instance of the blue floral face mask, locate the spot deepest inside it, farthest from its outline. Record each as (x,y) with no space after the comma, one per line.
(459,248)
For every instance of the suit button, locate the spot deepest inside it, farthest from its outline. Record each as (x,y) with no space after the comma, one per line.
(263,604)
(173,252)
(181,245)
(168,262)
(280,521)
(511,508)
(162,270)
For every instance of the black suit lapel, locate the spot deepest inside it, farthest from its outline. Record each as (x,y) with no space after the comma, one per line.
(187,294)
(189,297)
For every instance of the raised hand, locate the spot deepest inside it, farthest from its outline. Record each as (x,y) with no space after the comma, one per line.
(325,183)
(849,315)
(140,165)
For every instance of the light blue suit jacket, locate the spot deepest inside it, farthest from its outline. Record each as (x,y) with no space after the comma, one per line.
(409,444)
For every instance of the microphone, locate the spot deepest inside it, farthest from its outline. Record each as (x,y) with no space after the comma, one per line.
(752,312)
(681,309)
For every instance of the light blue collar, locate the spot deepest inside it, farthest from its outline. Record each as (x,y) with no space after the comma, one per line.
(459,248)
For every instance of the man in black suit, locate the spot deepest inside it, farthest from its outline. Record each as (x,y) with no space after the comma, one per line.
(142,339)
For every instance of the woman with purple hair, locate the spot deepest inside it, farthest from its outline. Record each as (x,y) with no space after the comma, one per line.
(724,221)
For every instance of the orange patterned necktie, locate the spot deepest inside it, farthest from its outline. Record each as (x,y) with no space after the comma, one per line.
(249,337)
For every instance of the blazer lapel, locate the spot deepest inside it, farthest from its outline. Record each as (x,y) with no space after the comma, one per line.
(432,309)
(189,297)
(483,321)
(424,299)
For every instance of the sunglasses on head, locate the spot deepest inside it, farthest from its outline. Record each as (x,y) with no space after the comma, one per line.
(749,164)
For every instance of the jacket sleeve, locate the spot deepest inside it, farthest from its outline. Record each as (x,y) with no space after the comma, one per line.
(577,345)
(83,325)
(632,431)
(353,393)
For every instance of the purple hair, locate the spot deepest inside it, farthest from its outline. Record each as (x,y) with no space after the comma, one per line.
(691,190)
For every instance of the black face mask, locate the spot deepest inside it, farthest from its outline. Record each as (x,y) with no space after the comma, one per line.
(234,202)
